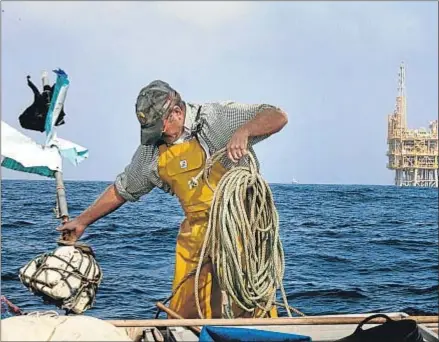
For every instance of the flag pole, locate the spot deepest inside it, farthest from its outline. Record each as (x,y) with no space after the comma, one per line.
(62,211)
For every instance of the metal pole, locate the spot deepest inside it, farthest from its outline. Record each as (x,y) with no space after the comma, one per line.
(63,212)
(61,201)
(67,237)
(61,197)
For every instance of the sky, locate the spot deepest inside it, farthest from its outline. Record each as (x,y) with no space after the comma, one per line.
(332,66)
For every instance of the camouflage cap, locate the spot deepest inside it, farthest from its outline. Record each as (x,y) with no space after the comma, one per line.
(153,103)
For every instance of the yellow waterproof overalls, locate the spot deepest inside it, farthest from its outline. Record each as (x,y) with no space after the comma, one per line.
(177,164)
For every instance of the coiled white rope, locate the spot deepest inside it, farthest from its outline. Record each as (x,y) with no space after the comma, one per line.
(242,239)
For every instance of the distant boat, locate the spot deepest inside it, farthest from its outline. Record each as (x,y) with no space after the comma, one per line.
(294,181)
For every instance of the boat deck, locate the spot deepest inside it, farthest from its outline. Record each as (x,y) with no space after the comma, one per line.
(313,326)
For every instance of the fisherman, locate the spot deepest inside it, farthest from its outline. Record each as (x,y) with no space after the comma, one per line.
(177,137)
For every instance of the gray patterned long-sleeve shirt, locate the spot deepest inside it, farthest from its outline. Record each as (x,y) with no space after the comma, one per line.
(215,125)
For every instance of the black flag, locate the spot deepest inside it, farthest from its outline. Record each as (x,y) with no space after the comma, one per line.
(34,117)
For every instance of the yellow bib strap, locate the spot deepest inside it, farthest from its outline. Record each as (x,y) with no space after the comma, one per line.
(179,164)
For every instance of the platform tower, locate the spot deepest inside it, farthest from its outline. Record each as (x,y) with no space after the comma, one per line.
(412,153)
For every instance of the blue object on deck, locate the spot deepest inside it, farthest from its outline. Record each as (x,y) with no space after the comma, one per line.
(226,334)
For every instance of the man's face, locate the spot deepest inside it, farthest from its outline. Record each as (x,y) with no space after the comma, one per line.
(173,125)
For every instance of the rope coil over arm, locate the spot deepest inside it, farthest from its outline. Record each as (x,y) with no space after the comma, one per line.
(242,239)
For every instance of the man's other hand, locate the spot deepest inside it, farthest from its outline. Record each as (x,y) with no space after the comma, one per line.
(72,230)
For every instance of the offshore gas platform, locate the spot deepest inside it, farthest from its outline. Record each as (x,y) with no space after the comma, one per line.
(412,153)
